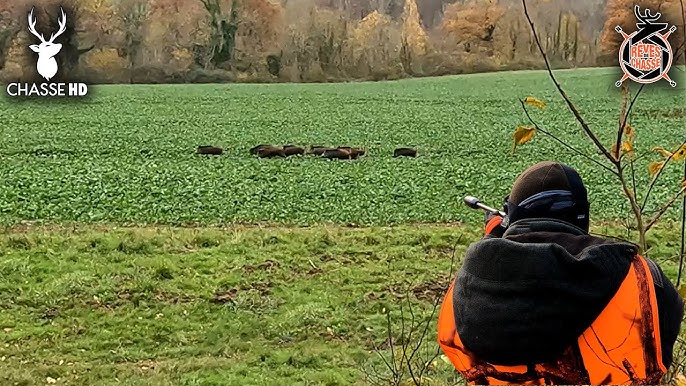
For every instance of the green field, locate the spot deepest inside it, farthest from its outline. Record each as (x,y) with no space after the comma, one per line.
(127,154)
(96,305)
(129,260)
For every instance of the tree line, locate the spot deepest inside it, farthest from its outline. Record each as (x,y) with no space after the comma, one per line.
(178,41)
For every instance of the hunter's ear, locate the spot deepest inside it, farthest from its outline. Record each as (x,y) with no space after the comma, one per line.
(34,48)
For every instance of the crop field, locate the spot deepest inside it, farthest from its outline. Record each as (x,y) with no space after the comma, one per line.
(127,259)
(126,155)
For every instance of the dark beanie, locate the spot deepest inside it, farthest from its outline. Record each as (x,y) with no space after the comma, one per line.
(549,190)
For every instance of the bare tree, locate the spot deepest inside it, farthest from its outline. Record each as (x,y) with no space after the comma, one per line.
(8,31)
(223,35)
(132,15)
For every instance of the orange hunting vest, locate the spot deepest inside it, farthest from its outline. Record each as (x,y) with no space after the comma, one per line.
(622,346)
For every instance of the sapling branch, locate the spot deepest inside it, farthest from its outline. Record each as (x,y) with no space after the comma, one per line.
(624,119)
(664,209)
(562,92)
(635,208)
(633,176)
(383,358)
(624,105)
(683,234)
(561,142)
(635,159)
(394,369)
(658,174)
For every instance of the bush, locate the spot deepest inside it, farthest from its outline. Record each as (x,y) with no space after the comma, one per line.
(200,75)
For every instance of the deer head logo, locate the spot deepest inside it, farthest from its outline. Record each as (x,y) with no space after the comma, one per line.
(47,65)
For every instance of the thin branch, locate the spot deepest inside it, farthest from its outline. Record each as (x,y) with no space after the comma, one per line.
(437,301)
(399,366)
(628,222)
(453,258)
(683,235)
(622,114)
(683,204)
(657,176)
(606,236)
(407,342)
(429,360)
(385,361)
(374,379)
(393,369)
(633,177)
(664,209)
(638,214)
(571,105)
(412,356)
(625,117)
(635,159)
(436,305)
(561,142)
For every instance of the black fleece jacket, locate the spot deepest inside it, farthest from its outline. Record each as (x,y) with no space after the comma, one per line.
(524,298)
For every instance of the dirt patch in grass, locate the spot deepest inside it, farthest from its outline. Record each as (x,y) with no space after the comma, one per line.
(268,265)
(674,113)
(431,291)
(231,295)
(428,291)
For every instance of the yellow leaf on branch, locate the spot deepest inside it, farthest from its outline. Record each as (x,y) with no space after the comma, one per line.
(629,133)
(628,148)
(523,135)
(614,152)
(680,378)
(531,101)
(682,292)
(680,154)
(663,152)
(655,167)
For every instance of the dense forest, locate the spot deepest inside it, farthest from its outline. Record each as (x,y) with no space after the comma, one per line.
(151,41)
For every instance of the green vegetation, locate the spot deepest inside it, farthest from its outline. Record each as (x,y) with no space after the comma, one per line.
(95,305)
(89,301)
(127,154)
(236,306)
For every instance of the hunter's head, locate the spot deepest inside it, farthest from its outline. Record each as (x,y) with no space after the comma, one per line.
(549,190)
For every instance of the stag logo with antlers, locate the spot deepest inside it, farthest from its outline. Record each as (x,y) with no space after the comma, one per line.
(47,66)
(47,49)
(646,55)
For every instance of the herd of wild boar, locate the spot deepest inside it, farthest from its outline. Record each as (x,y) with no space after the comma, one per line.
(341,152)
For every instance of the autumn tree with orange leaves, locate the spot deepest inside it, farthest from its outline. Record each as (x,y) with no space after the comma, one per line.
(472,21)
(257,35)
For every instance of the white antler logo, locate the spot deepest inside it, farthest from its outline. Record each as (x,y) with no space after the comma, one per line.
(47,65)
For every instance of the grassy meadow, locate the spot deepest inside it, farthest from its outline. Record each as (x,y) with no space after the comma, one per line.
(126,155)
(129,260)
